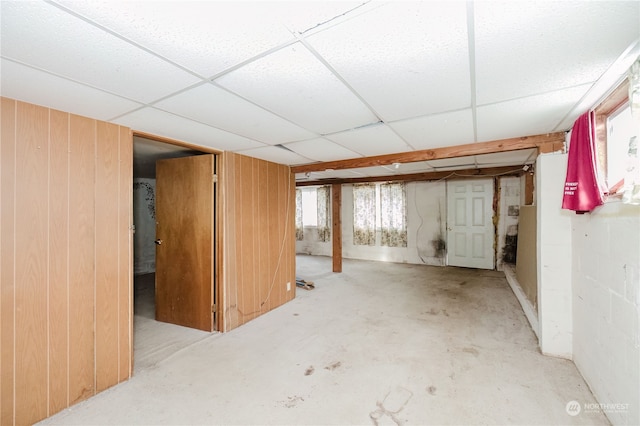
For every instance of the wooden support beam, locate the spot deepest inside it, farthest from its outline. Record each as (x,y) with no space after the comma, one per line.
(528,188)
(427,176)
(336,223)
(544,143)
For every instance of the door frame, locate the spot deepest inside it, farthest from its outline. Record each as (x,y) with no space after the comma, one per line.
(217,236)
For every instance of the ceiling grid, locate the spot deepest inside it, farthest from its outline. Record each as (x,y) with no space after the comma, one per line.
(328,81)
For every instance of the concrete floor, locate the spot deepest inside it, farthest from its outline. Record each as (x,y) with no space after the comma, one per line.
(380,343)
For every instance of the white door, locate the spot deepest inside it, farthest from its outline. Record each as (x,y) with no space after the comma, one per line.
(470,223)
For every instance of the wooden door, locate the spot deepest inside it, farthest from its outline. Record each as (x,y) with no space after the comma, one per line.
(469,223)
(185,241)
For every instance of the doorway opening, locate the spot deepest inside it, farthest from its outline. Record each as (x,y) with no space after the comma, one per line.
(154,340)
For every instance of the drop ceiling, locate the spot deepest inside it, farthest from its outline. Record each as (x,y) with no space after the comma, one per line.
(305,82)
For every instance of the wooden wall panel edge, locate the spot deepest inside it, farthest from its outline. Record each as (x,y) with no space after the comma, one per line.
(125,255)
(107,255)
(82,247)
(218,286)
(31,263)
(7,259)
(59,264)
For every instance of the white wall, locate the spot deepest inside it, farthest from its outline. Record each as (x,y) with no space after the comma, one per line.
(606,305)
(144,219)
(426,226)
(311,245)
(426,221)
(554,257)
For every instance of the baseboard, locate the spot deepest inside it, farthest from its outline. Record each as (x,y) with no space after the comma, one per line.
(527,307)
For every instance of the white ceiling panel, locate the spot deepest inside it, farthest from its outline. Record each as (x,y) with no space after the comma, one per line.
(330,174)
(321,149)
(219,108)
(467,162)
(375,171)
(161,123)
(276,154)
(371,140)
(38,87)
(43,36)
(527,116)
(293,83)
(507,158)
(565,44)
(453,168)
(433,131)
(420,68)
(203,36)
(329,80)
(416,167)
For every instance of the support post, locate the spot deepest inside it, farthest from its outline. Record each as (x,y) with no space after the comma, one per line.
(336,223)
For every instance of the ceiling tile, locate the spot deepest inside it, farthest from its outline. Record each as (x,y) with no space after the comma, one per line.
(526,116)
(161,123)
(206,37)
(321,149)
(556,50)
(293,83)
(276,154)
(375,171)
(439,130)
(43,36)
(406,59)
(371,140)
(416,167)
(507,158)
(453,168)
(329,174)
(468,162)
(38,87)
(219,108)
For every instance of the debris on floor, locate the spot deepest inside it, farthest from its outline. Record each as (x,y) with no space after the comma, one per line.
(307,285)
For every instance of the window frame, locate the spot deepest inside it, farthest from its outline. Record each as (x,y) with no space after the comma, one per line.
(612,104)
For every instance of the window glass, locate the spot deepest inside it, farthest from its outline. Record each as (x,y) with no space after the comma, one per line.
(309,207)
(620,129)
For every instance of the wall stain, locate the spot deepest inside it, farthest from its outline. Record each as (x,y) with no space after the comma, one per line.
(149,197)
(439,246)
(510,249)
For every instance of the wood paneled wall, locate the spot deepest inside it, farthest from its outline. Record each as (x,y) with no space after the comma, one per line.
(65,259)
(257,218)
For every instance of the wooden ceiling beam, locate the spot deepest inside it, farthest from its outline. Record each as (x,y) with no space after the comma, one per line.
(426,176)
(544,143)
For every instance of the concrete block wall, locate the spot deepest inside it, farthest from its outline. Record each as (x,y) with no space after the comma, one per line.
(606,306)
(554,258)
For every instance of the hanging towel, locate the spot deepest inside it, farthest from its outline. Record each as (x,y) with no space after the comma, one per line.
(582,190)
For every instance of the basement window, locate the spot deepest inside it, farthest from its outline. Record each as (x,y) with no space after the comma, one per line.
(313,211)
(614,129)
(380,207)
(309,207)
(621,128)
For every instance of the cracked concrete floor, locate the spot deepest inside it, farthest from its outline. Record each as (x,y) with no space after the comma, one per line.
(380,343)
